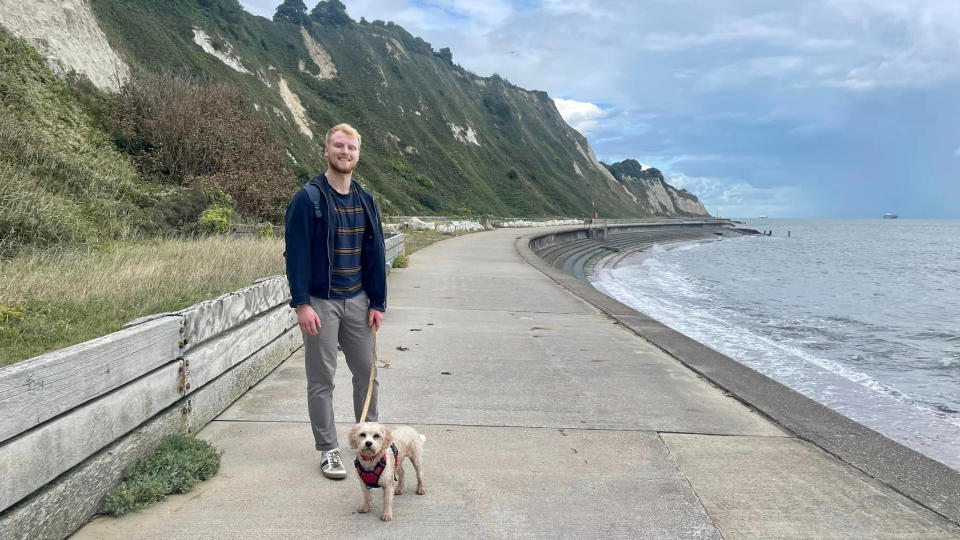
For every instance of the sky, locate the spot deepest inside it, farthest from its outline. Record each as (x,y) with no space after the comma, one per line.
(806,109)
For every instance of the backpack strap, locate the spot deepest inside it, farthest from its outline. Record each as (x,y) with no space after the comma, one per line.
(313,191)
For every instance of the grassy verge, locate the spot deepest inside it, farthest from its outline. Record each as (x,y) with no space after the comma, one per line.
(414,241)
(50,300)
(180,462)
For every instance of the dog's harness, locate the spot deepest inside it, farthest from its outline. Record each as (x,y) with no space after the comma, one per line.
(372,478)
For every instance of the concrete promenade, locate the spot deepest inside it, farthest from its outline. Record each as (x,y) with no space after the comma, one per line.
(543,417)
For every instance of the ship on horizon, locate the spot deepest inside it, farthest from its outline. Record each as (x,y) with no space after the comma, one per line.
(890,215)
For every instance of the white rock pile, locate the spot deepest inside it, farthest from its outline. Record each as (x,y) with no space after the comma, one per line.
(527,223)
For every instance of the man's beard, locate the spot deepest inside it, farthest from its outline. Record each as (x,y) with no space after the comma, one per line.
(340,167)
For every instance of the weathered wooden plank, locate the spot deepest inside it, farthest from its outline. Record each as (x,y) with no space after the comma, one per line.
(393,252)
(205,404)
(38,389)
(63,506)
(393,241)
(211,317)
(36,457)
(213,357)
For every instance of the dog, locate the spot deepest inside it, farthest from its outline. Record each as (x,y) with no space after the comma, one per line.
(380,454)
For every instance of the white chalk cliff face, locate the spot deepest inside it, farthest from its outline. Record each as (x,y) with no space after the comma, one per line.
(663,200)
(653,192)
(66,33)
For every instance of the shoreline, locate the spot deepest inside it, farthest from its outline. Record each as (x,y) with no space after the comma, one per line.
(855,394)
(930,483)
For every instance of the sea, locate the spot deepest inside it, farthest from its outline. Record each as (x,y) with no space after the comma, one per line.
(862,316)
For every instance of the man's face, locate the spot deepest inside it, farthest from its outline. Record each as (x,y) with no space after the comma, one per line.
(342,152)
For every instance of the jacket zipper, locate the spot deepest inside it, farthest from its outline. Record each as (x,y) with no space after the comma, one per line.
(326,201)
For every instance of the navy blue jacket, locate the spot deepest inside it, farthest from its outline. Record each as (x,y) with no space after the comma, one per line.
(309,243)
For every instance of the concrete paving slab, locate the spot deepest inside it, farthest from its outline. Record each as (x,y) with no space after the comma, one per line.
(787,488)
(443,289)
(518,369)
(481,483)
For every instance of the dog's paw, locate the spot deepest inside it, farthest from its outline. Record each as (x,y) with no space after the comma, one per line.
(421,490)
(387,516)
(363,509)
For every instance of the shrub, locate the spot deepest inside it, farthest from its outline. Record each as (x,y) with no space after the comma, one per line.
(331,12)
(190,133)
(179,209)
(10,314)
(292,11)
(424,180)
(179,463)
(215,220)
(400,261)
(265,230)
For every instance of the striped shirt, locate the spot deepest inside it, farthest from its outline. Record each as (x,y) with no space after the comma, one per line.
(351,225)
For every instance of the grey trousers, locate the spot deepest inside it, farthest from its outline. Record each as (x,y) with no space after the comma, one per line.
(343,322)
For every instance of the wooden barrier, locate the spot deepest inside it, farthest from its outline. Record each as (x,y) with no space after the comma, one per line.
(72,420)
(394,247)
(41,388)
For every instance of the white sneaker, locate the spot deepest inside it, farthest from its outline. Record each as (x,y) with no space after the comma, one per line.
(332,465)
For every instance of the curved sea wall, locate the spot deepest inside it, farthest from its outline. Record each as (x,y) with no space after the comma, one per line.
(568,256)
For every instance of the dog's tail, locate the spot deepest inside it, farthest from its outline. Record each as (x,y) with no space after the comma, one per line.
(423,438)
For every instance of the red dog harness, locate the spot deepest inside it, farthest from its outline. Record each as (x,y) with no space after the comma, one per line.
(372,478)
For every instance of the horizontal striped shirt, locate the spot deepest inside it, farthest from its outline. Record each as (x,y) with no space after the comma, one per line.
(351,225)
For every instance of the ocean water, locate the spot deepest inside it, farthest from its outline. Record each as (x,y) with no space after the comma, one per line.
(860,315)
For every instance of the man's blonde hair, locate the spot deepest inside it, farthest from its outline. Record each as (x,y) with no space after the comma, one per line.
(346,128)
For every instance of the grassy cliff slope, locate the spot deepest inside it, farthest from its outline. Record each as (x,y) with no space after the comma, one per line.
(437,139)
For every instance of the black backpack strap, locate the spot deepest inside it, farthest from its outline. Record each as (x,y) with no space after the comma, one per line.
(313,191)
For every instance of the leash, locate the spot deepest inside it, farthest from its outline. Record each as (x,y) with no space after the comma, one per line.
(373,374)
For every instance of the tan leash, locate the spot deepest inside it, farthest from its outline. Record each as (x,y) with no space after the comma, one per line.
(373,375)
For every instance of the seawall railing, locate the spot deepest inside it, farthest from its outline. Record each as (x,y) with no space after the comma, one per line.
(72,420)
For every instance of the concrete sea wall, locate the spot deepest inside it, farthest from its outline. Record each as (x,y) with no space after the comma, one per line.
(565,256)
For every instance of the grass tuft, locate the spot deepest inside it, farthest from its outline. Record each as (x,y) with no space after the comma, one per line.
(400,261)
(179,463)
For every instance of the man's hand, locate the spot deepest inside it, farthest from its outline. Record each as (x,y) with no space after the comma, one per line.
(375,319)
(308,319)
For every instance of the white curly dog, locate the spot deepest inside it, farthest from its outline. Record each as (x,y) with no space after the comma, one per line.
(379,463)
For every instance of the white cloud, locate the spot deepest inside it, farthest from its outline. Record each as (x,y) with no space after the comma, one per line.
(580,115)
(735,198)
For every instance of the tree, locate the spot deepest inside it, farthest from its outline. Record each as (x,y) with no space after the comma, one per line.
(446,55)
(331,12)
(294,11)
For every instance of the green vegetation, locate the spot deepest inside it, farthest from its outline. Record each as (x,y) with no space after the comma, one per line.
(400,261)
(61,179)
(408,100)
(206,136)
(50,300)
(179,463)
(414,241)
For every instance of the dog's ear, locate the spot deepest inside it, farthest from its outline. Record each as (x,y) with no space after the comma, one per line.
(387,437)
(353,436)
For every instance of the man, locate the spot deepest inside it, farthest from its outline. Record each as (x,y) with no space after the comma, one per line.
(336,269)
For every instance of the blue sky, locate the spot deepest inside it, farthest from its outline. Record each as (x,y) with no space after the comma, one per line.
(818,108)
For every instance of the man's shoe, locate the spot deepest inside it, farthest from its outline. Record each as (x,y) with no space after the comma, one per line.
(332,466)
